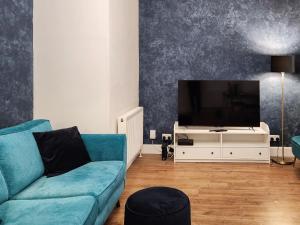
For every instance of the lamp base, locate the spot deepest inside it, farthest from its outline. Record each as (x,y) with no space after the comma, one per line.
(282,162)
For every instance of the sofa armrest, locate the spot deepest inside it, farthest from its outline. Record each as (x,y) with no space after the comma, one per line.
(296,146)
(106,147)
(296,139)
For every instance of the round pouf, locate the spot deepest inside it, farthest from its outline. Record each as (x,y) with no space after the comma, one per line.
(158,206)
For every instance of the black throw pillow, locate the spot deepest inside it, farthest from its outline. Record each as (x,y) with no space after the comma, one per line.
(61,150)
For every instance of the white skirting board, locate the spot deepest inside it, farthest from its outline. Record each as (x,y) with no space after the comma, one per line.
(156,149)
(151,149)
(287,151)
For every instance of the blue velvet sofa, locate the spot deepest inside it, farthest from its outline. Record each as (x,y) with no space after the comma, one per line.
(296,147)
(84,196)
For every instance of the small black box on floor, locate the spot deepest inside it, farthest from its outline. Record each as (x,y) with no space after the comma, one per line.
(184,141)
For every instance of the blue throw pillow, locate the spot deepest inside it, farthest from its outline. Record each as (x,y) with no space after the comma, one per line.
(61,150)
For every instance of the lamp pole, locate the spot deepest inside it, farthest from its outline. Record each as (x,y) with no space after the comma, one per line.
(282,115)
(282,161)
(282,64)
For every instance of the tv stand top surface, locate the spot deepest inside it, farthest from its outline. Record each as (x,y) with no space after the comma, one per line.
(263,129)
(218,130)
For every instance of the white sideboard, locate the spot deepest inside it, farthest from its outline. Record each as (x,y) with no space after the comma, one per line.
(234,145)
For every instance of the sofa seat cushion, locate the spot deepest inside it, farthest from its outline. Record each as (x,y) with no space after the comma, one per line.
(98,179)
(63,211)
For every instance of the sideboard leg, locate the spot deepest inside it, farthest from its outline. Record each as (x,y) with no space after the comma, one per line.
(118,204)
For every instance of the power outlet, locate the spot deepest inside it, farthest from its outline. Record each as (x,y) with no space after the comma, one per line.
(274,138)
(166,136)
(152,134)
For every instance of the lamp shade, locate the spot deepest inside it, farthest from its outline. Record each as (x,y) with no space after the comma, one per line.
(284,64)
(297,64)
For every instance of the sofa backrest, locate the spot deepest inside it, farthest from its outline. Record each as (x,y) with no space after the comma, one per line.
(20,160)
(3,189)
(23,126)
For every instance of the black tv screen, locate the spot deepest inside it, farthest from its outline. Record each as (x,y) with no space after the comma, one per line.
(218,103)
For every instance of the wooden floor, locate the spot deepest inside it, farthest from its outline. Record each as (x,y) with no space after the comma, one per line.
(222,193)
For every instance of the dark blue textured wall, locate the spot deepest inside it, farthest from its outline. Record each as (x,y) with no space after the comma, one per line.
(216,39)
(15,61)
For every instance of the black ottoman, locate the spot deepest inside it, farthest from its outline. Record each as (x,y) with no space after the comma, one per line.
(158,206)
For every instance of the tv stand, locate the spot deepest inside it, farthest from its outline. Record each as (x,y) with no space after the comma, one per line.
(229,144)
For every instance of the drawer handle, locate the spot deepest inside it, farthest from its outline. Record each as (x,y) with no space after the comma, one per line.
(230,153)
(212,153)
(260,153)
(183,152)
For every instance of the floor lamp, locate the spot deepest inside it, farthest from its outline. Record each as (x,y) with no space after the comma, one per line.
(282,64)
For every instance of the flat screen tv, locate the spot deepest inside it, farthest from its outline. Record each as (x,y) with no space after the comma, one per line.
(218,103)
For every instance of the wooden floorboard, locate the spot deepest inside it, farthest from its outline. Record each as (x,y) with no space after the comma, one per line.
(222,193)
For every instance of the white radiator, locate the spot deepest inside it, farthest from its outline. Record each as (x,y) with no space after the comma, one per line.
(132,124)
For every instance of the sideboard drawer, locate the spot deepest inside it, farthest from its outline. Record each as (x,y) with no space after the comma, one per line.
(246,153)
(197,153)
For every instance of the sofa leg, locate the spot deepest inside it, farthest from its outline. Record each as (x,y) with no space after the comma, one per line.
(294,161)
(118,204)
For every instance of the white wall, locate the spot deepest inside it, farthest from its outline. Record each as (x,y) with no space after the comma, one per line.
(83,74)
(124,57)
